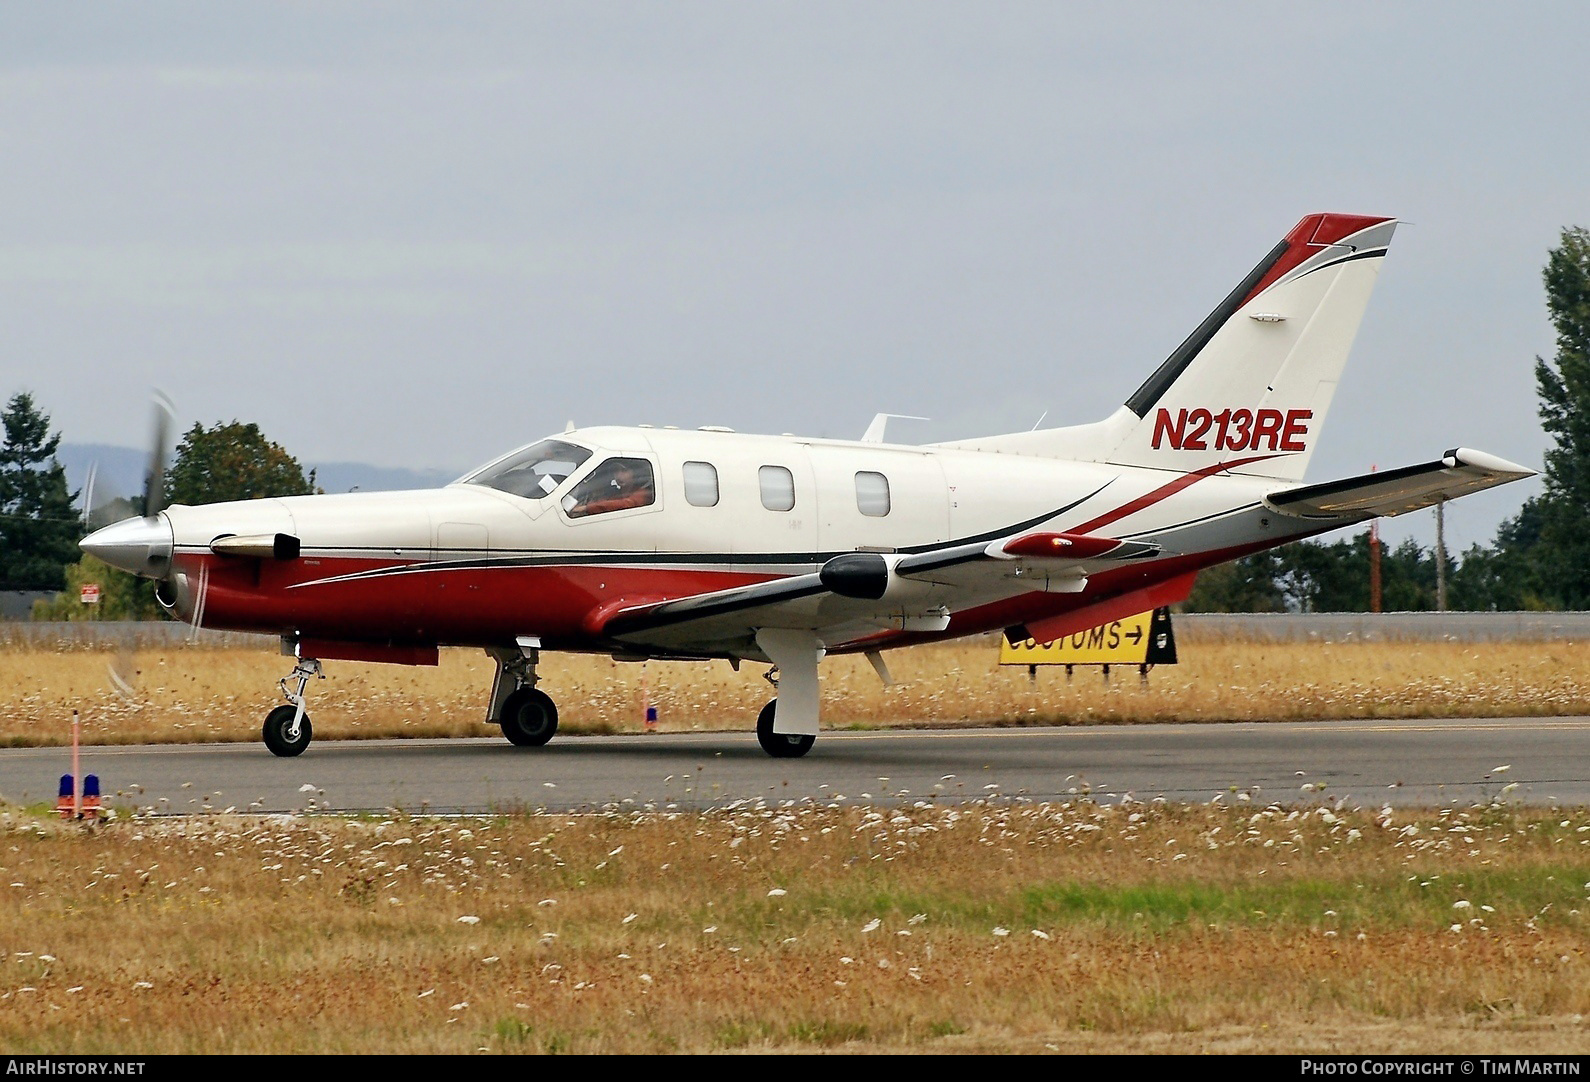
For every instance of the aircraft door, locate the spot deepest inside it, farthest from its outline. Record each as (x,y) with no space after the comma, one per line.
(610,506)
(774,495)
(879,499)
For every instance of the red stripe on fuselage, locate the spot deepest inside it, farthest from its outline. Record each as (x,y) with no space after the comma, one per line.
(474,606)
(1148,499)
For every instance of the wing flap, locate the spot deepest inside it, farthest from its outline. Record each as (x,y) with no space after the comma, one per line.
(1395,492)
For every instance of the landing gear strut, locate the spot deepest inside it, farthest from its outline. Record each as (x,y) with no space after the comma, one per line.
(787,727)
(527,715)
(287,729)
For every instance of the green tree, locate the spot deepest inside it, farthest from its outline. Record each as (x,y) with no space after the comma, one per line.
(1313,576)
(39,527)
(1561,559)
(1246,585)
(233,462)
(121,596)
(1505,577)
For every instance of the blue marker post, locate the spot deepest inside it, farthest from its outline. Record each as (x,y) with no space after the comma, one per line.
(91,809)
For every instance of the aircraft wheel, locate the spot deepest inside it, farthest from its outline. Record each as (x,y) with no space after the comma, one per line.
(277,724)
(780,745)
(529,718)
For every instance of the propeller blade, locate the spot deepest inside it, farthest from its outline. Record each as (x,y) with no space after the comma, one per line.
(88,494)
(155,479)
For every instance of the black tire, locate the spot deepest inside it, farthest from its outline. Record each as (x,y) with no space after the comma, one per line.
(780,745)
(277,722)
(529,718)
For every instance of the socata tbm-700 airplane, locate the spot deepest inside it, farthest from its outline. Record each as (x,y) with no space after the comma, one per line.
(657,543)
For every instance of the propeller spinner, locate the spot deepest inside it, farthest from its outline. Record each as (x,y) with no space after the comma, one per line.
(142,545)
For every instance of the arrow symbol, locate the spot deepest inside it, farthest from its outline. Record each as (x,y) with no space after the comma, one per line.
(1136,635)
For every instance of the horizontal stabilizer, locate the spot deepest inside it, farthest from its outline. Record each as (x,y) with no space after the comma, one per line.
(1395,492)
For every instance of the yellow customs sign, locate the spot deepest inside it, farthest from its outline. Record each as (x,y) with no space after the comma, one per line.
(1144,639)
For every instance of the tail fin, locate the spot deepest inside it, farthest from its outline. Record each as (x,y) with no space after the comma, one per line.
(1250,387)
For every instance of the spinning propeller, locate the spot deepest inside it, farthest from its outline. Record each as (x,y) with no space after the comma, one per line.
(142,545)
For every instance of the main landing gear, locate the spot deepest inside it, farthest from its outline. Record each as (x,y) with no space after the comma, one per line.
(287,729)
(780,745)
(527,715)
(787,727)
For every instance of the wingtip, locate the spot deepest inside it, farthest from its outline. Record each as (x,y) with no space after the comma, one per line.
(1467,456)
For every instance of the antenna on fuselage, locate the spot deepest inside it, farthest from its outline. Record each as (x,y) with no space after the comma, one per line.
(874,433)
(570,426)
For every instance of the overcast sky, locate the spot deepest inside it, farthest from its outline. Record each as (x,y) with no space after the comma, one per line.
(420,234)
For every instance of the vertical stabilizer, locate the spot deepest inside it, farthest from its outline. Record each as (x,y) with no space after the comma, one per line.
(1251,386)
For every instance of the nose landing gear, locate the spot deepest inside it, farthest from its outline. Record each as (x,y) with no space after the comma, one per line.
(527,715)
(287,729)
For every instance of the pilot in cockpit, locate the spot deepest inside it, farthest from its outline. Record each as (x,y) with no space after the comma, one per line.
(614,486)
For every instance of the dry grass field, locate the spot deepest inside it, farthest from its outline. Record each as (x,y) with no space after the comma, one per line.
(205,693)
(1012,928)
(760,928)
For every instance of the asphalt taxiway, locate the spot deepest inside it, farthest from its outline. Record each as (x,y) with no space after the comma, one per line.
(1442,762)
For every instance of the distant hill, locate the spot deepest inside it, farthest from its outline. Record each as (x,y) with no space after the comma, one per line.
(120,473)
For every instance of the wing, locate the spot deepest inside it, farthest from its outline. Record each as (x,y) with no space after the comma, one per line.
(1395,492)
(858,594)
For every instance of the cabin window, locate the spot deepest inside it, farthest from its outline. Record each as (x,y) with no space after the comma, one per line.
(616,485)
(872,493)
(533,472)
(778,488)
(701,484)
